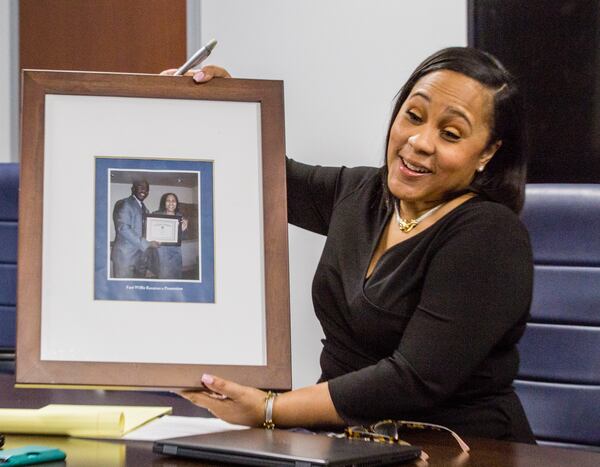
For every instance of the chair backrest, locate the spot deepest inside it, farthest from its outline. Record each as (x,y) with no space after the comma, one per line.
(559,377)
(9,194)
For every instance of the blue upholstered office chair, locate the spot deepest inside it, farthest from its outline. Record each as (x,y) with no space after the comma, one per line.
(9,192)
(559,378)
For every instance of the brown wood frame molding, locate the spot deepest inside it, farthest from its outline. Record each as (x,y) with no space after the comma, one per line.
(31,370)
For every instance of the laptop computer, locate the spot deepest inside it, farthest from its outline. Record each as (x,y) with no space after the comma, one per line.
(256,446)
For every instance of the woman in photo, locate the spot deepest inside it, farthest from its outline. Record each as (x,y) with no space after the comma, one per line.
(169,258)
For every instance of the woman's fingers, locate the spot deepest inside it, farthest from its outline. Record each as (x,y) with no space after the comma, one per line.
(209,72)
(170,71)
(216,71)
(218,388)
(203,75)
(229,401)
(222,386)
(202,399)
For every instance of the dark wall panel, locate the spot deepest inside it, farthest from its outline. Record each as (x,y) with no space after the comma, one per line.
(137,36)
(553,48)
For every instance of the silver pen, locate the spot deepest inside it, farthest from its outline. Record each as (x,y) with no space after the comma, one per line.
(197,58)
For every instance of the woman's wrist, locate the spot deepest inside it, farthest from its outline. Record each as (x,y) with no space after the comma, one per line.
(308,407)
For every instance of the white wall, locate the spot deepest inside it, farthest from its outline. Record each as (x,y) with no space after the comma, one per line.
(342,62)
(9,48)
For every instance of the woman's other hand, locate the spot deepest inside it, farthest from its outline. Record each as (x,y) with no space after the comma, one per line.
(184,224)
(230,401)
(205,74)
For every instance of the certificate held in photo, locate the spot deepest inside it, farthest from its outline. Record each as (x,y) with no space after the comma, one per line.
(163,228)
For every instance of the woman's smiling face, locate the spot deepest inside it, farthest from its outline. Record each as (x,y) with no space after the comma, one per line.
(439,138)
(171,204)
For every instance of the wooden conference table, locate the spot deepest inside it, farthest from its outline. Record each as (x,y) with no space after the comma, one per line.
(442,450)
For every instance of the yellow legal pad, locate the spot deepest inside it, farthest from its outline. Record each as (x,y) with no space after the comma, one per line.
(84,421)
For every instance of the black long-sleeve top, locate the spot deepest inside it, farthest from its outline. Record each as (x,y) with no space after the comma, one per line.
(431,334)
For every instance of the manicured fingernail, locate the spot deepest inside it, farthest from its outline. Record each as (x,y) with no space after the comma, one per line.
(199,76)
(207,379)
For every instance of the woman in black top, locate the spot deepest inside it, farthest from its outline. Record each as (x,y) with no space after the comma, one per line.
(424,285)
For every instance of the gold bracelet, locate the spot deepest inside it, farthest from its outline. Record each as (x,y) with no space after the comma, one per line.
(269,399)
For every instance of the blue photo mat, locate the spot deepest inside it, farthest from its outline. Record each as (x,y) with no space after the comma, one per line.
(154,290)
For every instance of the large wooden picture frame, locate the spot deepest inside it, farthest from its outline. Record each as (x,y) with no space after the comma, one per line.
(85,139)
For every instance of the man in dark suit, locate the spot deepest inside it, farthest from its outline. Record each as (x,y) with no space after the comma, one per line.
(128,251)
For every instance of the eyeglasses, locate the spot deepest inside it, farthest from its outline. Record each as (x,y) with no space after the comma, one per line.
(387,431)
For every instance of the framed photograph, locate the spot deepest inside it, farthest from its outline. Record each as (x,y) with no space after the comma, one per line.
(166,236)
(164,229)
(153,232)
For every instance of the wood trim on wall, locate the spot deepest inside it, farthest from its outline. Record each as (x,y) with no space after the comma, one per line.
(133,36)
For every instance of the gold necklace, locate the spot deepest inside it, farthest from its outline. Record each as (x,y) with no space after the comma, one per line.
(407,225)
